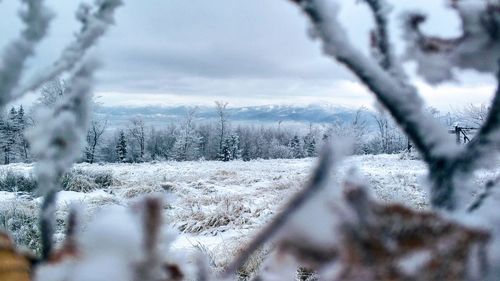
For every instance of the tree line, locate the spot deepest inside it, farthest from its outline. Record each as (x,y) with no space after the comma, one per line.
(217,139)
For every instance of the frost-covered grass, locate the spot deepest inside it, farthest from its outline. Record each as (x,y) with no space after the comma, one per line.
(216,205)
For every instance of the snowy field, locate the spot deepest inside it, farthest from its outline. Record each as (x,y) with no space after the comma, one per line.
(214,204)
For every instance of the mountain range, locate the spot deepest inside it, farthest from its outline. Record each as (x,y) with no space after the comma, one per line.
(261,114)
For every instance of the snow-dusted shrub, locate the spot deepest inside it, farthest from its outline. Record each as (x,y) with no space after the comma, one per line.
(81,180)
(138,191)
(20,219)
(229,213)
(103,178)
(17,182)
(253,264)
(412,155)
(279,151)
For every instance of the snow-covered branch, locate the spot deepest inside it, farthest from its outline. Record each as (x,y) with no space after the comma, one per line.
(402,101)
(36,19)
(477,48)
(317,182)
(380,36)
(94,25)
(381,46)
(57,140)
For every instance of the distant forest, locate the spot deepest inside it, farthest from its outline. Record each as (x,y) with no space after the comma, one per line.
(213,139)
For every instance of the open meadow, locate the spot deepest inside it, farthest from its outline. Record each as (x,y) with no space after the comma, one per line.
(214,206)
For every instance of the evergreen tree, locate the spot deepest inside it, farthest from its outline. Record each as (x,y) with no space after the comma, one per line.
(234,147)
(21,126)
(225,152)
(121,147)
(310,145)
(8,129)
(296,147)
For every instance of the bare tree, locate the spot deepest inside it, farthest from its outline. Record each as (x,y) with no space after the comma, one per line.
(137,130)
(473,115)
(222,114)
(51,92)
(186,145)
(94,136)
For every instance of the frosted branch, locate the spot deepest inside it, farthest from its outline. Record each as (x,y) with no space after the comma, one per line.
(483,196)
(380,38)
(316,183)
(56,141)
(94,25)
(36,19)
(150,268)
(381,46)
(477,48)
(402,102)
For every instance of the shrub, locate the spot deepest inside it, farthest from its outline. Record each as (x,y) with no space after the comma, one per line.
(17,182)
(227,214)
(85,181)
(20,220)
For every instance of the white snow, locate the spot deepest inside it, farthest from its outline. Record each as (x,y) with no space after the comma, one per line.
(219,205)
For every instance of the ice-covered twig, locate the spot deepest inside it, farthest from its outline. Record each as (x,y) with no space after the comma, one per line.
(36,19)
(477,48)
(315,184)
(484,195)
(403,103)
(47,214)
(380,39)
(94,25)
(150,267)
(56,141)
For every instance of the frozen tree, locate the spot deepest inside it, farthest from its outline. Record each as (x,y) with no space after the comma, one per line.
(187,142)
(389,136)
(354,130)
(137,132)
(9,131)
(121,146)
(296,147)
(94,138)
(473,115)
(22,125)
(310,145)
(278,150)
(222,114)
(160,142)
(225,151)
(234,148)
(51,92)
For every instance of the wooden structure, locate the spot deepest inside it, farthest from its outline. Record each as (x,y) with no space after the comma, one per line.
(462,134)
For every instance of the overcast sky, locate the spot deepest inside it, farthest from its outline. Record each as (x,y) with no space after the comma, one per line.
(247,52)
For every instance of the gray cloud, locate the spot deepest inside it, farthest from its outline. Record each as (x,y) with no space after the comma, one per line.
(225,48)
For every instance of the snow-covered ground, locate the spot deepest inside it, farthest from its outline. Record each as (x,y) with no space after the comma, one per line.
(217,204)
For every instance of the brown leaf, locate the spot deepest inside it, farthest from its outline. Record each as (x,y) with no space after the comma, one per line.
(13,265)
